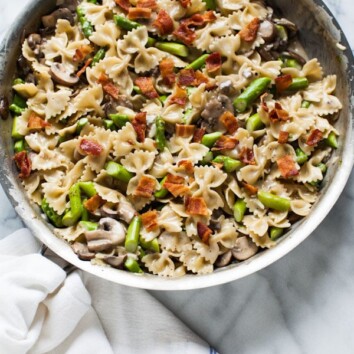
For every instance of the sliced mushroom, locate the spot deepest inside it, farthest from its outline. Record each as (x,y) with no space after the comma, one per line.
(60,75)
(110,233)
(110,107)
(50,21)
(69,4)
(33,40)
(244,248)
(267,31)
(126,212)
(115,261)
(290,26)
(82,251)
(224,259)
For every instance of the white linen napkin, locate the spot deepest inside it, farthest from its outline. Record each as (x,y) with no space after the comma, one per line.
(43,311)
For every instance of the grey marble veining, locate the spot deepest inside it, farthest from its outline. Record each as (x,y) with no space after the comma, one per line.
(304,303)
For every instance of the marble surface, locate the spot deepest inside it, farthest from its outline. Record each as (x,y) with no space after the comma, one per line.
(301,304)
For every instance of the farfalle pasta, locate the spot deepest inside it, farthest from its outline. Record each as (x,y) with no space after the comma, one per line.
(171,137)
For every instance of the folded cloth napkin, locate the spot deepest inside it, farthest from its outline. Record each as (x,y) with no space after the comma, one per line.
(44,311)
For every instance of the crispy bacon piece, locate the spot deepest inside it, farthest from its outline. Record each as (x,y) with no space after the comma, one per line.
(249,32)
(283,137)
(93,203)
(23,162)
(229,121)
(278,113)
(198,20)
(146,85)
(136,13)
(175,185)
(198,135)
(167,71)
(185,3)
(190,77)
(196,206)
(163,23)
(90,147)
(139,125)
(225,143)
(283,82)
(82,52)
(185,34)
(314,138)
(186,165)
(149,220)
(179,97)
(184,130)
(150,4)
(83,69)
(123,4)
(287,166)
(204,232)
(108,86)
(36,123)
(250,189)
(145,188)
(247,156)
(213,62)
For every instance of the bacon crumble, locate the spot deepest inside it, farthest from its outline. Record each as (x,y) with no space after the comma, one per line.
(190,77)
(283,137)
(179,97)
(145,188)
(204,232)
(123,4)
(81,53)
(185,3)
(314,138)
(225,143)
(36,123)
(83,69)
(229,121)
(150,4)
(283,82)
(90,147)
(247,156)
(278,113)
(139,124)
(146,86)
(213,62)
(23,162)
(196,206)
(184,130)
(287,166)
(175,185)
(108,86)
(167,71)
(250,189)
(249,32)
(186,165)
(198,135)
(163,23)
(94,203)
(149,220)
(136,13)
(185,34)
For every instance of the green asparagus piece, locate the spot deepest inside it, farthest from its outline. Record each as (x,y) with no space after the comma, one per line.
(19,146)
(80,124)
(89,225)
(98,56)
(208,158)
(299,83)
(239,210)
(322,167)
(151,245)
(137,90)
(173,48)
(198,63)
(18,81)
(282,33)
(86,25)
(160,134)
(292,63)
(251,93)
(273,201)
(132,236)
(151,42)
(163,98)
(85,216)
(118,171)
(109,125)
(275,232)
(301,157)
(229,164)
(254,123)
(92,1)
(52,215)
(210,4)
(332,140)
(124,23)
(16,109)
(305,104)
(132,265)
(162,192)
(210,139)
(88,188)
(15,133)
(73,215)
(19,101)
(120,120)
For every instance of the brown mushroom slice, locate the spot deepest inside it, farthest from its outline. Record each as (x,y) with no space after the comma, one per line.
(82,251)
(69,4)
(115,228)
(126,211)
(244,248)
(61,76)
(50,21)
(267,31)
(287,24)
(33,40)
(95,244)
(224,259)
(114,261)
(296,56)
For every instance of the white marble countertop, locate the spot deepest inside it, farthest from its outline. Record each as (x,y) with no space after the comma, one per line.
(303,303)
